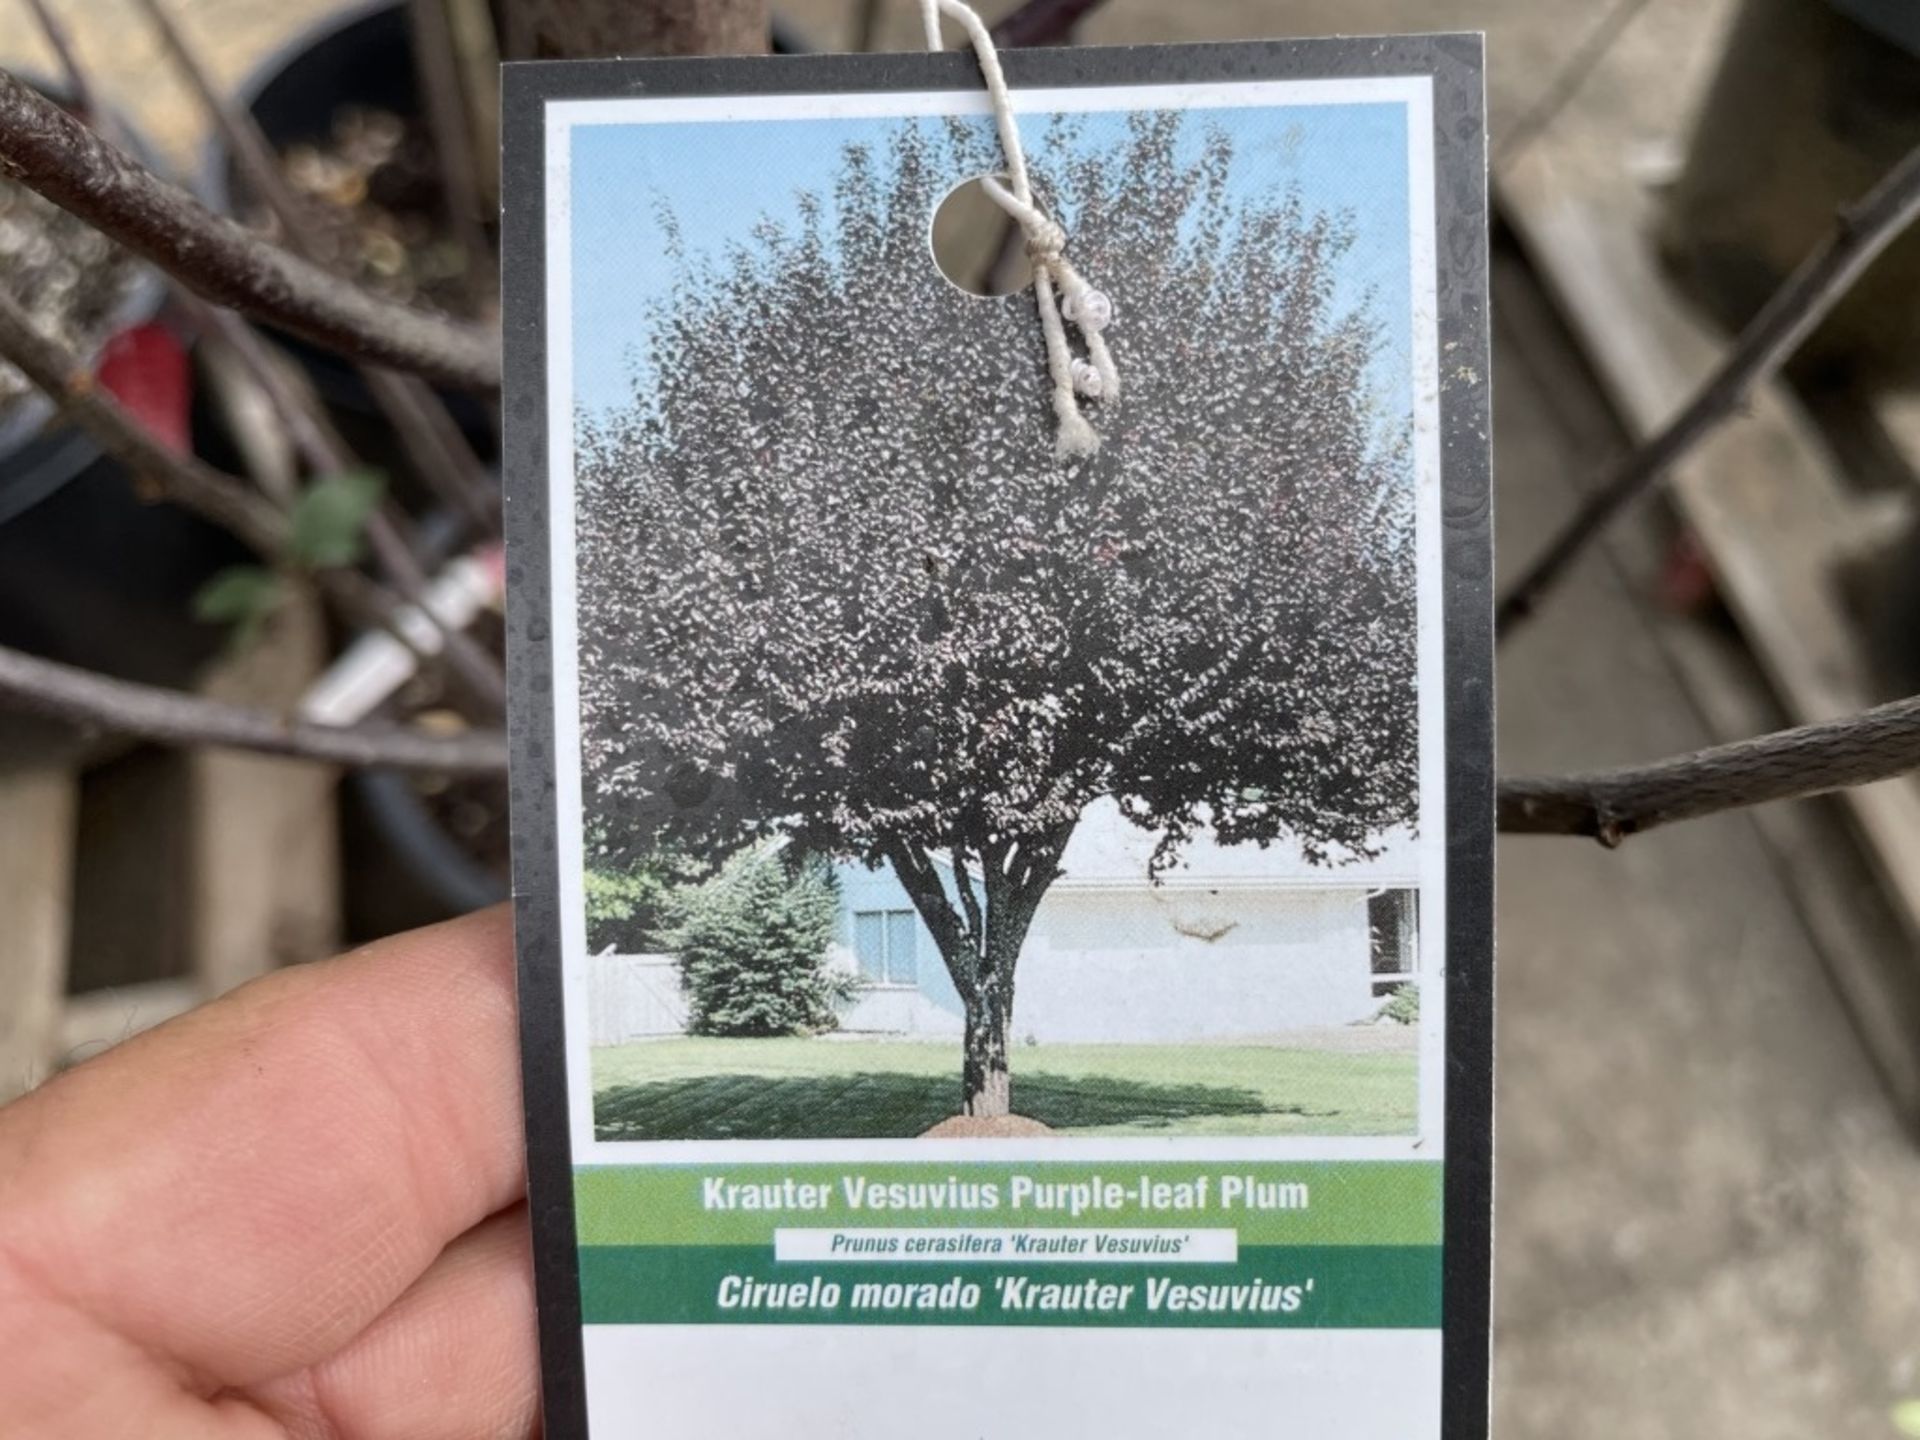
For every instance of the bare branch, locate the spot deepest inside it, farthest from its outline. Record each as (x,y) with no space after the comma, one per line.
(1786,765)
(48,150)
(307,423)
(172,717)
(325,451)
(1771,337)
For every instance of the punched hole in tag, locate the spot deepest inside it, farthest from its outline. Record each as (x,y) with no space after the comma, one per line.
(976,246)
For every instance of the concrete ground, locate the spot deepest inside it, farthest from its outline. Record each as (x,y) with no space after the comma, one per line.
(1708,1218)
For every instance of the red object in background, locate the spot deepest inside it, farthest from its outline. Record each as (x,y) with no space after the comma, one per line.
(493,560)
(146,370)
(1686,580)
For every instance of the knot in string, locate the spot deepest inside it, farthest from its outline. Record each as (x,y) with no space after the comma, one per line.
(1086,308)
(1047,242)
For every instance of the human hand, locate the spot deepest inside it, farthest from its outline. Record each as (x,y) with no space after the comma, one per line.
(295,1212)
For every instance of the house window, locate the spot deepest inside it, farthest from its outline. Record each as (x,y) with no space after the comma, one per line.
(1393,920)
(885,942)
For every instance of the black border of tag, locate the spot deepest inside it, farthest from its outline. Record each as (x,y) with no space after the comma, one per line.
(1460,208)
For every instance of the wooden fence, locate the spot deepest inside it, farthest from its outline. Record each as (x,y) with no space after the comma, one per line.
(633,997)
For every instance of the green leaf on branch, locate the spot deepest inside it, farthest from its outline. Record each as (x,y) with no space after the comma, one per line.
(329,521)
(240,596)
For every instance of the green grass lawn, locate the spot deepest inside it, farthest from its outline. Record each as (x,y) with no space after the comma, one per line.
(685,1089)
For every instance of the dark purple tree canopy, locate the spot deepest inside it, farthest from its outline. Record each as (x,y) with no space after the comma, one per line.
(835,583)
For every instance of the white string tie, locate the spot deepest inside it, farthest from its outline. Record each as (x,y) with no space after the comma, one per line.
(1086,308)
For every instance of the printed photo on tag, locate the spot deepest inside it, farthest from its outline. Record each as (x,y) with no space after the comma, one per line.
(1002,740)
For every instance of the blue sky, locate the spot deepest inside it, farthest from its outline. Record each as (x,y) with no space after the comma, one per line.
(720,178)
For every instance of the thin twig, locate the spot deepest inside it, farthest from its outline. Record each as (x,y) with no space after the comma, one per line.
(79,89)
(476,46)
(50,151)
(1795,310)
(1567,81)
(173,717)
(266,455)
(438,64)
(1786,765)
(325,452)
(438,451)
(323,449)
(320,444)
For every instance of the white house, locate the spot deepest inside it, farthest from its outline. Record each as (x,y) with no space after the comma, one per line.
(1234,941)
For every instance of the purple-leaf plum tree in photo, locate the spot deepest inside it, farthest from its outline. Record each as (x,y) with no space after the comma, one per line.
(835,584)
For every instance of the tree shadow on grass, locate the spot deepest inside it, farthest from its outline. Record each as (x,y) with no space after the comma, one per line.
(888,1105)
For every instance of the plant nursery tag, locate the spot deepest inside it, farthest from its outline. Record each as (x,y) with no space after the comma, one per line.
(1002,781)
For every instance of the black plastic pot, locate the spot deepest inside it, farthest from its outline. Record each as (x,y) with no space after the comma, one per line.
(362,55)
(401,869)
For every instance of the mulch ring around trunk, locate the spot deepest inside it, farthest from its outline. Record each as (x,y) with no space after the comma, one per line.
(986,1127)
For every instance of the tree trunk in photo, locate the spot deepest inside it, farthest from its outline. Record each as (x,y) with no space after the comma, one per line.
(980,931)
(991,936)
(986,1081)
(604,29)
